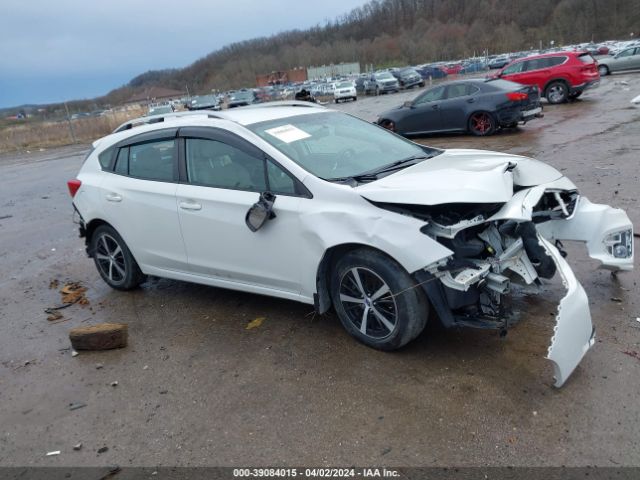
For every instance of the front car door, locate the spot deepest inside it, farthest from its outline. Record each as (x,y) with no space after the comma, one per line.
(515,72)
(423,115)
(139,200)
(222,177)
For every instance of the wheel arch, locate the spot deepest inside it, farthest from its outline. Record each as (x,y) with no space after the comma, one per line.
(322,297)
(557,79)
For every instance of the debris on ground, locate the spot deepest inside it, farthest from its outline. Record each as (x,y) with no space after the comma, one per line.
(99,366)
(77,446)
(632,353)
(4,217)
(76,406)
(114,384)
(616,299)
(255,323)
(74,353)
(103,449)
(53,284)
(74,292)
(55,452)
(102,336)
(146,367)
(54,315)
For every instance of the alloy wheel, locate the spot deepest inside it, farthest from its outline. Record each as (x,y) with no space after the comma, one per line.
(481,123)
(110,258)
(556,93)
(368,302)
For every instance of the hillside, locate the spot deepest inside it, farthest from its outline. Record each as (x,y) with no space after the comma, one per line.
(388,32)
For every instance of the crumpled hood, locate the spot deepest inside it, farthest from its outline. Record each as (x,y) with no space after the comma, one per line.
(460,176)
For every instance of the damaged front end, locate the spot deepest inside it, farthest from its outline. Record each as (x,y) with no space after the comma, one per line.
(499,246)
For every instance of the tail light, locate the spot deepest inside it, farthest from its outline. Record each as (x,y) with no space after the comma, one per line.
(74,186)
(517,96)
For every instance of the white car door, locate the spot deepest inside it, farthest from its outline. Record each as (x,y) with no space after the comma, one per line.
(139,199)
(223,178)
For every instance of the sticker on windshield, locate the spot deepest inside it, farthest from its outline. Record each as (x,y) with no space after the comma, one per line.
(287,133)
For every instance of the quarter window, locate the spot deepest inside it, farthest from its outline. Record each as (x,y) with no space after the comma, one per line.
(152,160)
(122,162)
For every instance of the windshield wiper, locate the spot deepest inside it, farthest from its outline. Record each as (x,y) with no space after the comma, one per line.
(372,175)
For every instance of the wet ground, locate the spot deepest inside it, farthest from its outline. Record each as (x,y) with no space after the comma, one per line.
(195,387)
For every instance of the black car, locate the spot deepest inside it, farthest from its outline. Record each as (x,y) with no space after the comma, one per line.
(408,77)
(479,106)
(242,98)
(499,62)
(429,71)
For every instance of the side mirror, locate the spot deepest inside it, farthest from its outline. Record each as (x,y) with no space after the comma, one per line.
(260,212)
(408,104)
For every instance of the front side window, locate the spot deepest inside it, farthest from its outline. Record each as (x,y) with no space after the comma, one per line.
(626,53)
(152,160)
(216,164)
(333,145)
(430,96)
(513,68)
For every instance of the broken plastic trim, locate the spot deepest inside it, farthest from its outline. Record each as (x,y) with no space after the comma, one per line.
(573,333)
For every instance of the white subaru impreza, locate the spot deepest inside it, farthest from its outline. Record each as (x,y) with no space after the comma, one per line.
(297,201)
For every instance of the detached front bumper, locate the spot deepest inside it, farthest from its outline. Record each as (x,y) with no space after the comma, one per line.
(573,333)
(607,232)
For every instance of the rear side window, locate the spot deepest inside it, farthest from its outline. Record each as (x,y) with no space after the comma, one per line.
(458,90)
(122,162)
(537,64)
(153,160)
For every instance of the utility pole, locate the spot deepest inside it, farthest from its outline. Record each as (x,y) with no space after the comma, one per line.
(73,135)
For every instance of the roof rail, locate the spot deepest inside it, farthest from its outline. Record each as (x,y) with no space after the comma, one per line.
(284,103)
(136,122)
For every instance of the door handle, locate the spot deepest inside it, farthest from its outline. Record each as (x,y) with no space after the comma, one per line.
(470,100)
(113,197)
(190,206)
(435,107)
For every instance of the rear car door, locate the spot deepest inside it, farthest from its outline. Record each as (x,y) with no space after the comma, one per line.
(222,177)
(424,113)
(139,199)
(457,104)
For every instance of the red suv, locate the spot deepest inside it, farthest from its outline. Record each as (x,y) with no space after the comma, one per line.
(559,76)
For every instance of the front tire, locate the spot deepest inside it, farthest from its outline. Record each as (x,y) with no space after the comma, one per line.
(377,301)
(557,92)
(114,260)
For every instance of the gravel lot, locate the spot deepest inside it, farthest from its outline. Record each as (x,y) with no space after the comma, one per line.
(195,387)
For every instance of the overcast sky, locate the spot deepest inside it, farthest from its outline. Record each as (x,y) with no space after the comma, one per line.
(55,50)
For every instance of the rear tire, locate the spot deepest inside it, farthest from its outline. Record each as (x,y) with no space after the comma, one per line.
(481,124)
(377,301)
(603,70)
(556,92)
(114,260)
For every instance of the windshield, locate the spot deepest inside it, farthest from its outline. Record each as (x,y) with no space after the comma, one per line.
(332,145)
(345,85)
(384,75)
